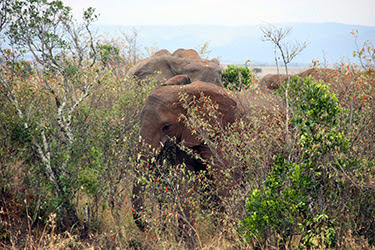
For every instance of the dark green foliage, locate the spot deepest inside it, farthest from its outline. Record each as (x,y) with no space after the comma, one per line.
(279,205)
(314,100)
(236,77)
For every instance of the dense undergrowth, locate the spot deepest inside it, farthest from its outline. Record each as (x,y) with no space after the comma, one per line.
(69,154)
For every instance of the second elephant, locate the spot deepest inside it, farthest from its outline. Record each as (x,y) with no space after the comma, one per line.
(164,65)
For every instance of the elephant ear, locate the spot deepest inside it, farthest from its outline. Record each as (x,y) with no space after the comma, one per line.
(157,64)
(178,80)
(227,107)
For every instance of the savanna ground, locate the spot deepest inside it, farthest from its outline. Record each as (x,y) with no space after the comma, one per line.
(70,137)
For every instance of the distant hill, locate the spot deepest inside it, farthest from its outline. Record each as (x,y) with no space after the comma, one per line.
(236,44)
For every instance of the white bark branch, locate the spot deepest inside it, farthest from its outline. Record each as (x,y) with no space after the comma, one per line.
(43,151)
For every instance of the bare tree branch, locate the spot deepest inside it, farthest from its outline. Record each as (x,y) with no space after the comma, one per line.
(288,52)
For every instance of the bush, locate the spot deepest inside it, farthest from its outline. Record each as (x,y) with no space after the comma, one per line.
(237,77)
(67,117)
(109,54)
(297,196)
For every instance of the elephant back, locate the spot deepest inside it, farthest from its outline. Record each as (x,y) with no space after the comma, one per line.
(186,53)
(273,81)
(163,65)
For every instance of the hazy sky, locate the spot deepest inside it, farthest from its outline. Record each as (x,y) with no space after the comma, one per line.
(228,12)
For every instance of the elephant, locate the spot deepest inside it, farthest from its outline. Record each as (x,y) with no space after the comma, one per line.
(324,74)
(181,62)
(186,53)
(160,122)
(274,81)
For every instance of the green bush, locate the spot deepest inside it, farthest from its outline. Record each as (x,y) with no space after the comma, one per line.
(109,53)
(296,197)
(237,77)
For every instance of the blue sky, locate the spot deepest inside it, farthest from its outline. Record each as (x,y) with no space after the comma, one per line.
(228,12)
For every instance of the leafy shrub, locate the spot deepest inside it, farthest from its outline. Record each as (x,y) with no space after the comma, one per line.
(67,118)
(109,53)
(237,77)
(284,203)
(296,197)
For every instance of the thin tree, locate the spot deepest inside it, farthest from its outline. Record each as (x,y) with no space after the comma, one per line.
(286,52)
(64,55)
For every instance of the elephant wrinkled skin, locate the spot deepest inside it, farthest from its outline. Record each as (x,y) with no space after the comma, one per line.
(181,62)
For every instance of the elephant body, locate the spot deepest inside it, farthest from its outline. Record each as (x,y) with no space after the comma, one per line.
(161,121)
(324,74)
(159,117)
(274,81)
(164,65)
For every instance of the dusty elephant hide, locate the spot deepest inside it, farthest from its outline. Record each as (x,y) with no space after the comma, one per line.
(164,65)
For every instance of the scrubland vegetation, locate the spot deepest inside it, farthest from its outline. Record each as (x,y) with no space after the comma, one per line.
(69,150)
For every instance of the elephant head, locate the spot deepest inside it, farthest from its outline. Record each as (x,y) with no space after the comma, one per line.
(181,62)
(160,115)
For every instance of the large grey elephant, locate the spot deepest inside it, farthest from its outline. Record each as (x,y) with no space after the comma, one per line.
(164,65)
(160,122)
